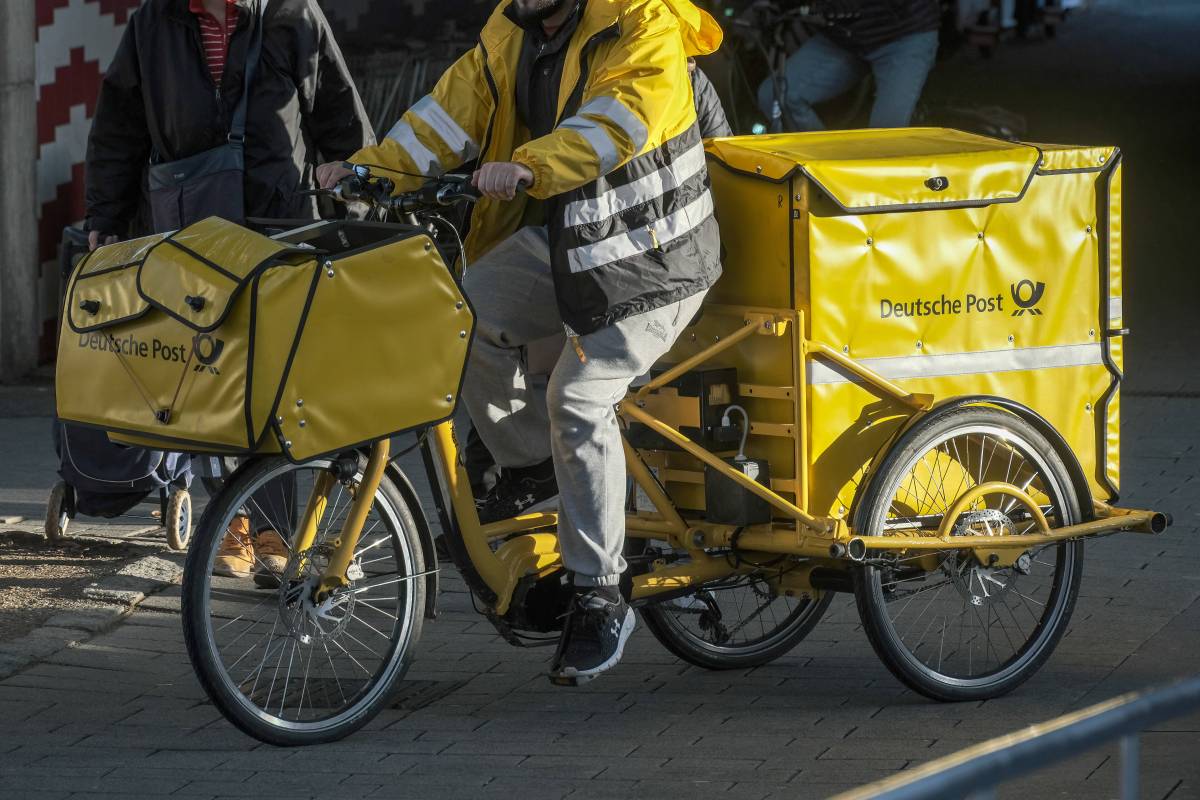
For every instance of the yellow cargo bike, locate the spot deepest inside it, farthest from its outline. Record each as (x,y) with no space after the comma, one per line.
(905,386)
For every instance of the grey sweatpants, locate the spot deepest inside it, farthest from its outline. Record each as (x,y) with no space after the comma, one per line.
(574,423)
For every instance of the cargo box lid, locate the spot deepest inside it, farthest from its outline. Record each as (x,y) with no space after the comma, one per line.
(889,169)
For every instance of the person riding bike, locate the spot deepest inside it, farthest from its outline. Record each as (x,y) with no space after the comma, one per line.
(895,41)
(588,104)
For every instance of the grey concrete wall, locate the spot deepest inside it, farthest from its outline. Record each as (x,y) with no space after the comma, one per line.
(18,212)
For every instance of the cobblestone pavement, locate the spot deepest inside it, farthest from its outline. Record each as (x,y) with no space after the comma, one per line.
(121,713)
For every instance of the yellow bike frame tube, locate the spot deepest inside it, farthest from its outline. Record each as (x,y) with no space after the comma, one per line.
(751,485)
(994,487)
(318,499)
(643,478)
(334,575)
(462,502)
(746,331)
(1136,521)
(919,402)
(525,522)
(683,576)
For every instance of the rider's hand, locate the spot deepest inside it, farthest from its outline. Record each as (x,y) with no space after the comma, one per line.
(329,174)
(96,238)
(500,180)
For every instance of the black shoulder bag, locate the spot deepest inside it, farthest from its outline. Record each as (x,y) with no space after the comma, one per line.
(209,183)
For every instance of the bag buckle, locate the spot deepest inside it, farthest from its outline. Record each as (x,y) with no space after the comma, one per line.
(238,139)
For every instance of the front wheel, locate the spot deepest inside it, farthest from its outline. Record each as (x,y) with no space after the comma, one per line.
(280,665)
(951,624)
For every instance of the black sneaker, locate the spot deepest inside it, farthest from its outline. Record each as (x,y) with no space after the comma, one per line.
(597,626)
(518,491)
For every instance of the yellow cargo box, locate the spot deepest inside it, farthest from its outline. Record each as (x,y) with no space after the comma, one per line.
(216,339)
(949,263)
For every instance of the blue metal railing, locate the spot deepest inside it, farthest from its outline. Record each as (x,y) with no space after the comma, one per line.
(975,772)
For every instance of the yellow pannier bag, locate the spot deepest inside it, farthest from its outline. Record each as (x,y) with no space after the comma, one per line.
(217,339)
(951,264)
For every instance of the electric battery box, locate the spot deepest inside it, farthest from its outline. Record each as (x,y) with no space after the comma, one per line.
(727,503)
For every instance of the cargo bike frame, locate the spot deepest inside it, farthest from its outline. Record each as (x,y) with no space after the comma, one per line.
(954,517)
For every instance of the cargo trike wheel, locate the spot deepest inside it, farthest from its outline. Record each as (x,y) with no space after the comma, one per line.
(285,663)
(178,519)
(736,623)
(967,624)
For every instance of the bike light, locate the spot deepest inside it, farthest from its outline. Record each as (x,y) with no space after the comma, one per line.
(758,129)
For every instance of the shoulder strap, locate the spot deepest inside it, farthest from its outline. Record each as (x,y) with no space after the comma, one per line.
(237,127)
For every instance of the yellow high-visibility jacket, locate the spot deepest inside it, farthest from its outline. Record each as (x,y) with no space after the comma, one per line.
(630,217)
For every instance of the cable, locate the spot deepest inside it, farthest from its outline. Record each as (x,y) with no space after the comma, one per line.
(394,171)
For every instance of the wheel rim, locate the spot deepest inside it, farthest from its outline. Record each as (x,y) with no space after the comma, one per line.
(956,620)
(184,521)
(741,616)
(281,659)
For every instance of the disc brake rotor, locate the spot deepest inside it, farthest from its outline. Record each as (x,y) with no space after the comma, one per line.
(307,619)
(980,585)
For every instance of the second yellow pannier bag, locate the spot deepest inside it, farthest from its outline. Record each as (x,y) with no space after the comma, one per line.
(217,339)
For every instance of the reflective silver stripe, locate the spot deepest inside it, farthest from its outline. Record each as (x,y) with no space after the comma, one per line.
(436,117)
(938,366)
(640,240)
(1114,310)
(598,138)
(615,111)
(424,161)
(643,190)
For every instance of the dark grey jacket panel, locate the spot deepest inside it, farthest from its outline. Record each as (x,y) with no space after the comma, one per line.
(158,101)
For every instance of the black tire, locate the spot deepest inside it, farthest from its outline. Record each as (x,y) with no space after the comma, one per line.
(178,521)
(664,620)
(59,512)
(927,449)
(204,598)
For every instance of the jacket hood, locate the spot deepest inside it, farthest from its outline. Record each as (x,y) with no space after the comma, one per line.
(701,33)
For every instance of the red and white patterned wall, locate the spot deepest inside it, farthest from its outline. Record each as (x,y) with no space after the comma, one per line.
(75,42)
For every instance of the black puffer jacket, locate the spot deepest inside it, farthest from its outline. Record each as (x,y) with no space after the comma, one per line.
(878,22)
(158,100)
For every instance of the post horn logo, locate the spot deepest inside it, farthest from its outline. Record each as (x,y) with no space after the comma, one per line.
(1027,302)
(207,351)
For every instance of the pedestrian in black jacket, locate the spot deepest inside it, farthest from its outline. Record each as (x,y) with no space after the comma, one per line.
(173,92)
(161,101)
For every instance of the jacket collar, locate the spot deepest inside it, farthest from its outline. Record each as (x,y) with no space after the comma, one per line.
(181,11)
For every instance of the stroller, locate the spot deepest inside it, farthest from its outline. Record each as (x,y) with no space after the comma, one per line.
(104,479)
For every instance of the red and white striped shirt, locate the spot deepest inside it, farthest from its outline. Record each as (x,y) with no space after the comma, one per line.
(214,35)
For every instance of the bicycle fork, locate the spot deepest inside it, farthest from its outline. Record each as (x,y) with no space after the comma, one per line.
(334,575)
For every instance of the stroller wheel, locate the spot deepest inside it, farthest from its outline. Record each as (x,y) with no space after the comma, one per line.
(178,519)
(60,508)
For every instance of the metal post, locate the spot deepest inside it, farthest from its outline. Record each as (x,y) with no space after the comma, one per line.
(1130,769)
(19,321)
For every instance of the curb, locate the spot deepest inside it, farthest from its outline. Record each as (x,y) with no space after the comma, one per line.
(117,595)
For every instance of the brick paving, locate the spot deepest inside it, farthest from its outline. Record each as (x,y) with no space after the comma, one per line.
(121,714)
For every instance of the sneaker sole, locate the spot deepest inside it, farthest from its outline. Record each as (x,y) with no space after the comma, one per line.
(229,572)
(573,677)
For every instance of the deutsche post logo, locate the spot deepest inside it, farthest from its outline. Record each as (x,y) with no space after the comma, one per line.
(207,350)
(1027,295)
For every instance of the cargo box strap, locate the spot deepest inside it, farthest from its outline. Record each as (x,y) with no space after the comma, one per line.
(136,383)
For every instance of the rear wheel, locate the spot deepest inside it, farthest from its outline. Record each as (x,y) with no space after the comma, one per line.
(739,622)
(284,667)
(950,624)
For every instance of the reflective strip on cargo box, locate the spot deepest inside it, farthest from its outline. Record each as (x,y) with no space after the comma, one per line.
(1114,310)
(938,366)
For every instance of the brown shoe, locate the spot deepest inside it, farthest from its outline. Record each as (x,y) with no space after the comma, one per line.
(271,557)
(235,558)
